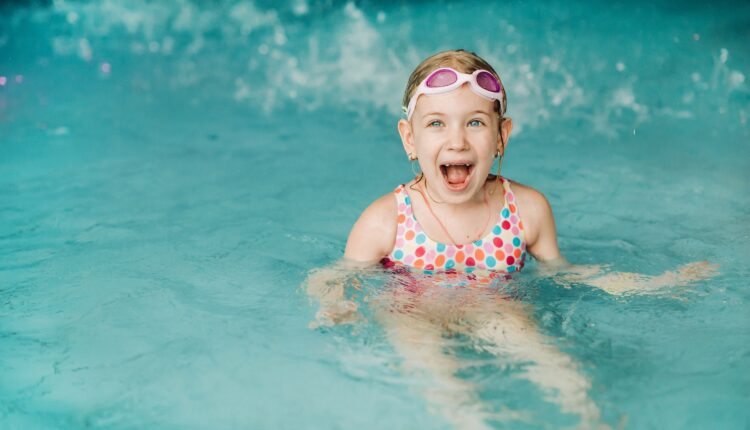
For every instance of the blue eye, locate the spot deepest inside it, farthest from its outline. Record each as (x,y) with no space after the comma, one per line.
(435,123)
(475,123)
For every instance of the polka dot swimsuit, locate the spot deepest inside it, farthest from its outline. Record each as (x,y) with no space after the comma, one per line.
(503,249)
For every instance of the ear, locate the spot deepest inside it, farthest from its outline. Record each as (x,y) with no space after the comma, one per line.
(506,126)
(407,137)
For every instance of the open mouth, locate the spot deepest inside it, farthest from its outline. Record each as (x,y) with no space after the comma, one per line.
(456,175)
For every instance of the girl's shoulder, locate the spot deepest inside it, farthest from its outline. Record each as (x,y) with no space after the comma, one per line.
(374,233)
(535,211)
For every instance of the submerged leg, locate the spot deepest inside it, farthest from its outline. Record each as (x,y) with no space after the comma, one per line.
(506,330)
(421,344)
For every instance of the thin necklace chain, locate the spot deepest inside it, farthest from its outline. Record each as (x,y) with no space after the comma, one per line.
(445,230)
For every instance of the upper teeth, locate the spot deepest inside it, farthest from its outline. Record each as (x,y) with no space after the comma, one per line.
(451,164)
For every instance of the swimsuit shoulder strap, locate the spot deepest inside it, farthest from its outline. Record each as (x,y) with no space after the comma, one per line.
(506,189)
(510,198)
(510,209)
(400,194)
(403,205)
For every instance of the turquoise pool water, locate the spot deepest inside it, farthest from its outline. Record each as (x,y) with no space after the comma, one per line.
(168,177)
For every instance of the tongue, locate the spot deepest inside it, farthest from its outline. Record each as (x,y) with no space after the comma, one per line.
(457,174)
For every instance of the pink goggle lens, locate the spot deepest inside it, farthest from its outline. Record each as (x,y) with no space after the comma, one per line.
(488,82)
(441,78)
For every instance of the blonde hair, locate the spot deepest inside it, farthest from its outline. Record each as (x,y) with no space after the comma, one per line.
(463,61)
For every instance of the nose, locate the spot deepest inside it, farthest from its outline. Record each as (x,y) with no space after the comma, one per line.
(457,139)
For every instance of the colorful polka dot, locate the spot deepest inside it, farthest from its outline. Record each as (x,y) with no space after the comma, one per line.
(420,238)
(459,257)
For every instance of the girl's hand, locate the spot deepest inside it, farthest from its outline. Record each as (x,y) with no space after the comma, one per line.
(691,272)
(331,314)
(328,285)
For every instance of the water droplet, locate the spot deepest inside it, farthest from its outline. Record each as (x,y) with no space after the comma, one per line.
(724,56)
(84,49)
(72,17)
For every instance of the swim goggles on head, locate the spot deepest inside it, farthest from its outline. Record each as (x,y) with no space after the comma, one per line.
(445,79)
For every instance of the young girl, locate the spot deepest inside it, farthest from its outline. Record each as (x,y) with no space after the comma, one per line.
(457,221)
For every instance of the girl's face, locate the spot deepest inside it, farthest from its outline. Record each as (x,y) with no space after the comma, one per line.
(455,137)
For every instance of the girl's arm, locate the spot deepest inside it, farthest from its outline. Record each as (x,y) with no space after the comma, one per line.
(541,242)
(618,283)
(370,239)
